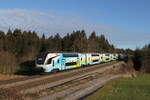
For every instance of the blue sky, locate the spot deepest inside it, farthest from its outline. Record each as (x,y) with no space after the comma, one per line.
(124,22)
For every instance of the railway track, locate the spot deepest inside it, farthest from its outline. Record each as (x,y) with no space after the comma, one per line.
(37,84)
(16,82)
(82,88)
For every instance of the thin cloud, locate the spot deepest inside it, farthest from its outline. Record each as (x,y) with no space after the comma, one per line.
(46,23)
(50,24)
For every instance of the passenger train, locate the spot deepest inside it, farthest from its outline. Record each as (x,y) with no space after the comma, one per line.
(50,62)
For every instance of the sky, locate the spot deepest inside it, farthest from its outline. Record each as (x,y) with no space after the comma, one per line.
(124,22)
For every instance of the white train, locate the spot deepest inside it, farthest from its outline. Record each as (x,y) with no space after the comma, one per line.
(63,61)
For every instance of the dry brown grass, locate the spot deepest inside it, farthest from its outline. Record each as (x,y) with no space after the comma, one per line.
(7,94)
(129,70)
(10,76)
(12,94)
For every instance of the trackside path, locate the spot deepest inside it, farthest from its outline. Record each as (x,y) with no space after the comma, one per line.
(82,90)
(8,84)
(64,80)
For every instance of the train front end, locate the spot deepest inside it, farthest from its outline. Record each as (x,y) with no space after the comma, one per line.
(47,61)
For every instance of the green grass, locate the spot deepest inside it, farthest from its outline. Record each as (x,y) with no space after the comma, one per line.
(124,89)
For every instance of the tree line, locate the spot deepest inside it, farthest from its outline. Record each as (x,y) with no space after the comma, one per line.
(141,59)
(19,46)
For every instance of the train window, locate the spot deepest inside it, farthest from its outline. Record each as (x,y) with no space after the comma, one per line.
(71,63)
(107,54)
(49,61)
(95,54)
(95,60)
(70,55)
(58,61)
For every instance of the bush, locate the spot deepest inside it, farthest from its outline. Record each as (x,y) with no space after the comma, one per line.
(137,59)
(141,59)
(146,60)
(28,68)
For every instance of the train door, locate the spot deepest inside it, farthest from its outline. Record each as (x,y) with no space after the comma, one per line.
(86,59)
(63,67)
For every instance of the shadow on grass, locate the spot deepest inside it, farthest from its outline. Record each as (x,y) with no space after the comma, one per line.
(28,68)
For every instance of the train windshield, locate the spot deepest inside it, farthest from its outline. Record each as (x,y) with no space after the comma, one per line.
(41,58)
(49,61)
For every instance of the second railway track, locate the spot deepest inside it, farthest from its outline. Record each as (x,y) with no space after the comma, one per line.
(17,82)
(40,83)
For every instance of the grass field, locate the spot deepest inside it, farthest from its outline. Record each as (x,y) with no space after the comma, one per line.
(124,89)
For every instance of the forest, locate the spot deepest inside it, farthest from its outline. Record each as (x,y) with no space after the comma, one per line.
(18,47)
